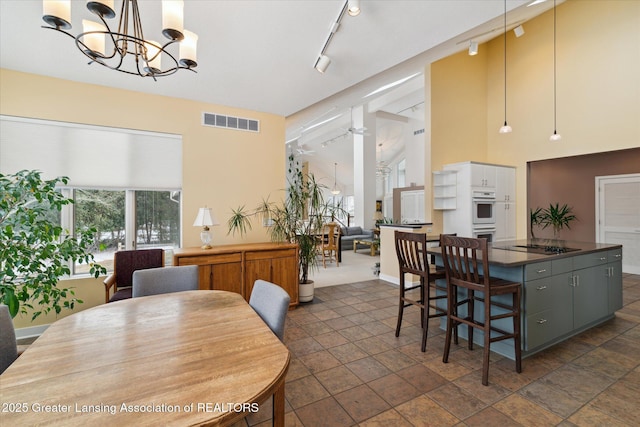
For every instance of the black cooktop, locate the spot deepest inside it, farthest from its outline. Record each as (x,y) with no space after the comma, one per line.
(538,249)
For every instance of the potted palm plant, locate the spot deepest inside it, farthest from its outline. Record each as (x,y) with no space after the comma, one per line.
(558,217)
(298,219)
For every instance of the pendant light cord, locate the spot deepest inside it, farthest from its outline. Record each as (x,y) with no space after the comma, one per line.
(555,114)
(505,62)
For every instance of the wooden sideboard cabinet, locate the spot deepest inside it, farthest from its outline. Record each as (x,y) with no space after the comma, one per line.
(236,267)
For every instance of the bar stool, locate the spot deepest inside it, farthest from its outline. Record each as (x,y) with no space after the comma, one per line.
(411,250)
(460,256)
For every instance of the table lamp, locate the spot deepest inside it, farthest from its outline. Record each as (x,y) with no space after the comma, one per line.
(204,219)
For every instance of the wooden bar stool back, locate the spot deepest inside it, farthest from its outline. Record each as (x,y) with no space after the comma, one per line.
(466,266)
(411,250)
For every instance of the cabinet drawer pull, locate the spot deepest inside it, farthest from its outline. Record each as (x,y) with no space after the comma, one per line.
(541,321)
(604,258)
(618,255)
(544,270)
(541,288)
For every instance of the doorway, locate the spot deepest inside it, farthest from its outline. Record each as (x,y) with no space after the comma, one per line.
(618,216)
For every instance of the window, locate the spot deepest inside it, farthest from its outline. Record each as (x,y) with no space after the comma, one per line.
(402,170)
(130,194)
(154,221)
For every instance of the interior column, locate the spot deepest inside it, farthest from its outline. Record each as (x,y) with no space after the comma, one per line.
(364,167)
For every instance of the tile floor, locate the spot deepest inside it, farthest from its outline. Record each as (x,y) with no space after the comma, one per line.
(348,368)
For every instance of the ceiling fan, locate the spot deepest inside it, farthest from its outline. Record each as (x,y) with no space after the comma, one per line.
(356,131)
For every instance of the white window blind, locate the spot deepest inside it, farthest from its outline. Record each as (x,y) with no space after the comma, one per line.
(91,156)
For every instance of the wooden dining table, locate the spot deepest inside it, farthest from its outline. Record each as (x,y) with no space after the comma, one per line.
(187,358)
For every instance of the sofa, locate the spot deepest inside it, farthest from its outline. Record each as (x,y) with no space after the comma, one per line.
(349,234)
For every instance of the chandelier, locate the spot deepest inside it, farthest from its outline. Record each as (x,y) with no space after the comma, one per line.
(126,49)
(382,170)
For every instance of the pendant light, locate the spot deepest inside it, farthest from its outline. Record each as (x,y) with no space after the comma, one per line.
(555,137)
(335,190)
(505,128)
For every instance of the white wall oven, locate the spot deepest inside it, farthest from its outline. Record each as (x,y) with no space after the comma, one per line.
(483,203)
(484,232)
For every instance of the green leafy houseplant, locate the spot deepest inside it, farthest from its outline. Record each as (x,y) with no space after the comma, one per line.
(535,219)
(558,217)
(34,249)
(298,219)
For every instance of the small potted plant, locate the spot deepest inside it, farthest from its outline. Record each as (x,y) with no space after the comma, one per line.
(557,217)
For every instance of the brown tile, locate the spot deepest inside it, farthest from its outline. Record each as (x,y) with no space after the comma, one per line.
(360,318)
(345,311)
(422,378)
(490,417)
(339,323)
(526,412)
(304,391)
(331,339)
(394,360)
(386,419)
(621,401)
(580,384)
(450,371)
(456,400)
(368,369)
(361,403)
(373,345)
(355,333)
(317,328)
(326,412)
(319,361)
(327,315)
(348,352)
(507,377)
(422,411)
(294,333)
(551,398)
(589,416)
(606,362)
(304,346)
(623,345)
(297,369)
(338,379)
(394,389)
(377,328)
(363,307)
(472,384)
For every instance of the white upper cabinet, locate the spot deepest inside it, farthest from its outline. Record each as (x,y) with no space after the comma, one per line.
(483,175)
(505,184)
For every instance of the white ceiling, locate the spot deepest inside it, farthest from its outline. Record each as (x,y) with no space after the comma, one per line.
(259,55)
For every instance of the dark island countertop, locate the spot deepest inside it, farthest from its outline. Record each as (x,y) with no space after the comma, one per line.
(411,226)
(514,253)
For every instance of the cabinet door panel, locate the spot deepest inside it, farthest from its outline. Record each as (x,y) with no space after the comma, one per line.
(590,296)
(227,277)
(284,272)
(614,273)
(256,269)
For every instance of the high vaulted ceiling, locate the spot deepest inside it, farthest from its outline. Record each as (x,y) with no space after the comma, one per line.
(260,55)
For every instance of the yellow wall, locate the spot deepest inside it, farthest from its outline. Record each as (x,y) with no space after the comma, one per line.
(598,92)
(222,168)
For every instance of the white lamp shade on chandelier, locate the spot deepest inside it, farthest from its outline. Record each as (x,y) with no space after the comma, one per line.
(114,48)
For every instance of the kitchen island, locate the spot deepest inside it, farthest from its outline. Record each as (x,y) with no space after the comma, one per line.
(568,287)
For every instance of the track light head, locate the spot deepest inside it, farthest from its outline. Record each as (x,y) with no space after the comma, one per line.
(354,8)
(473,48)
(323,63)
(518,31)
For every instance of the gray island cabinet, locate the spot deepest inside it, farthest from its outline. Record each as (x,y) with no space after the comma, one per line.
(564,293)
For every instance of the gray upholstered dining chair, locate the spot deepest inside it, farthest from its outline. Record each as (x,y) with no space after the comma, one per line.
(8,345)
(271,302)
(163,280)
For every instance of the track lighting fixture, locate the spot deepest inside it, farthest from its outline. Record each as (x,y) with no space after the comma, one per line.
(354,7)
(323,61)
(555,137)
(473,48)
(505,128)
(518,31)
